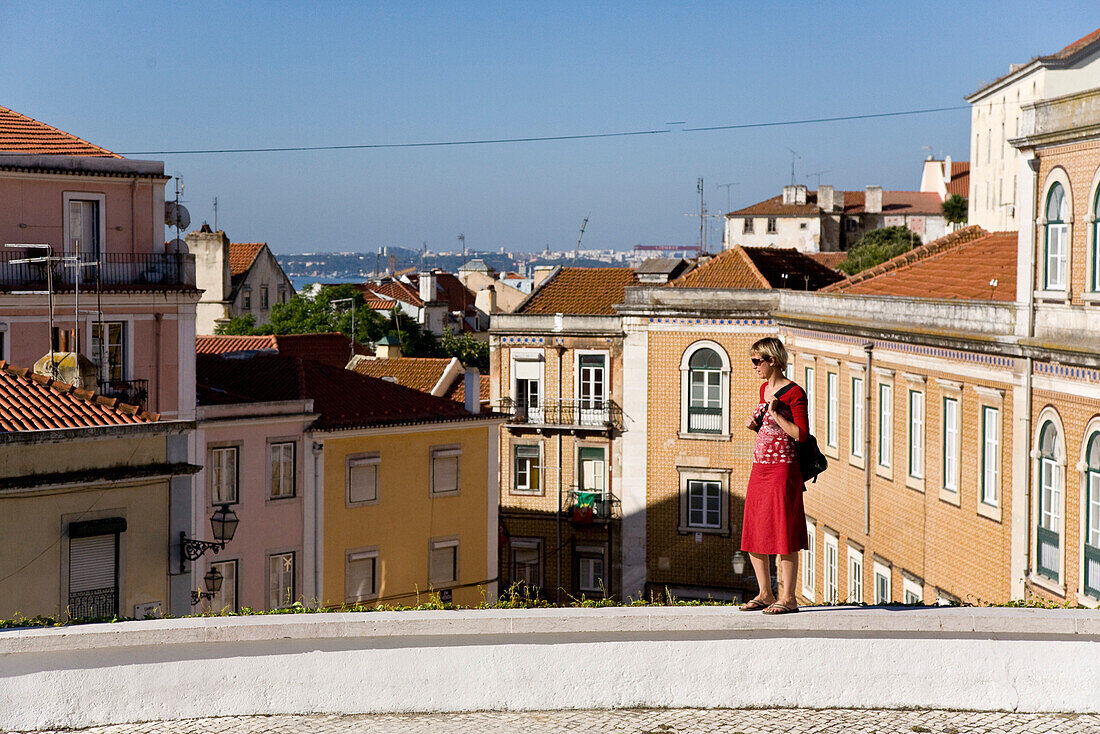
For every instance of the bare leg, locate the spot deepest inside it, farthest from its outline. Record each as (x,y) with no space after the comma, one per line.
(789,564)
(762,569)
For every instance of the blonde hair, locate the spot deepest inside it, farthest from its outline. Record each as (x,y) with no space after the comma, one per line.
(774,350)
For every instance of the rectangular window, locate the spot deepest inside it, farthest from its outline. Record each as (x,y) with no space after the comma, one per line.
(832,409)
(83,236)
(1057,237)
(264,303)
(528,379)
(772,225)
(590,571)
(885,424)
(280,462)
(593,384)
(809,566)
(443,562)
(445,467)
(883,594)
(93,574)
(747,227)
(916,434)
(810,403)
(362,478)
(991,454)
(246,298)
(855,576)
(280,581)
(592,471)
(829,591)
(704,504)
(223,475)
(857,416)
(526,557)
(527,473)
(913,591)
(109,353)
(951,444)
(282,294)
(226,598)
(1096,255)
(361,575)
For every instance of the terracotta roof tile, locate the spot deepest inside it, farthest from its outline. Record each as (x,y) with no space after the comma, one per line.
(1078,45)
(448,289)
(242,255)
(342,398)
(419,373)
(829,259)
(759,267)
(329,348)
(393,289)
(893,202)
(960,179)
(963,265)
(731,268)
(22,134)
(581,291)
(30,402)
(378,303)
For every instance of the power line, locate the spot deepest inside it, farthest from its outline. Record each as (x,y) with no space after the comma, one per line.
(551,138)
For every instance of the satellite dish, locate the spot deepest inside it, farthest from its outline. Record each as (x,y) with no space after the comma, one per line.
(176,215)
(176,247)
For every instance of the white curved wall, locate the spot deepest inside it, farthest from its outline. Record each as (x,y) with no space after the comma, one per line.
(956,658)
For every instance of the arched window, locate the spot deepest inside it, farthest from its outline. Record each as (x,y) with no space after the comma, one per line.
(704,390)
(1050,502)
(1095,276)
(1057,238)
(1092,516)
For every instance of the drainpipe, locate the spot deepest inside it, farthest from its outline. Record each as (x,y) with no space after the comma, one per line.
(868,349)
(158,319)
(317,545)
(560,348)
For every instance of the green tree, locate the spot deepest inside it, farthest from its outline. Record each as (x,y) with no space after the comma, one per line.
(954,209)
(470,351)
(878,246)
(238,326)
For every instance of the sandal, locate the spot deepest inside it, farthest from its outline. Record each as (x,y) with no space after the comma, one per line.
(754,605)
(780,608)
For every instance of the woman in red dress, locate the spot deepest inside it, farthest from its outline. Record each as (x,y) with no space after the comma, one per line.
(775,522)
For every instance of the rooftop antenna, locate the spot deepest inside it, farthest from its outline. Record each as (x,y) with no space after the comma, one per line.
(577,249)
(817,175)
(215,214)
(462,239)
(929,149)
(702,218)
(729,194)
(794,155)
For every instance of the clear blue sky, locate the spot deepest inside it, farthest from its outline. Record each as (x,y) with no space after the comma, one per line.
(152,76)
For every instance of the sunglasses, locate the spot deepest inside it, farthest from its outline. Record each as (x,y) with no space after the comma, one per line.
(757,360)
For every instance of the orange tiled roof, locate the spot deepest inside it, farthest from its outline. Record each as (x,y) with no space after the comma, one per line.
(393,289)
(893,202)
(961,266)
(960,179)
(30,402)
(828,259)
(331,348)
(581,291)
(419,373)
(378,303)
(22,134)
(759,267)
(242,255)
(731,268)
(458,390)
(1078,45)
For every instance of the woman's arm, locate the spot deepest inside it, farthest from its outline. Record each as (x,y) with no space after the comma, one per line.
(797,426)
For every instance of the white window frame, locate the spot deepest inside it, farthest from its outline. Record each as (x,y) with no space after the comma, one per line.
(361,555)
(723,390)
(534,469)
(365,461)
(1090,513)
(915,413)
(528,356)
(832,409)
(808,376)
(228,597)
(990,485)
(275,451)
(831,569)
(220,494)
(1049,511)
(912,590)
(591,554)
(855,575)
(101,202)
(809,562)
(883,591)
(126,348)
(1056,239)
(950,443)
(438,455)
(704,474)
(593,409)
(527,544)
(856,414)
(711,503)
(441,582)
(885,458)
(284,599)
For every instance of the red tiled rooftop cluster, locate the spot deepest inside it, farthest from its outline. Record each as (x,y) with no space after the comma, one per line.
(30,402)
(22,134)
(759,267)
(330,348)
(581,292)
(242,255)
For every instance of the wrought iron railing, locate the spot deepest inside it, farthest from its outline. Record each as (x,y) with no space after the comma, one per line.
(704,420)
(93,603)
(576,414)
(132,392)
(586,506)
(1092,571)
(111,269)
(1047,552)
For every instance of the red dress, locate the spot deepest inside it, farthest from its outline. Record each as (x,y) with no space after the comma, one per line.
(775,521)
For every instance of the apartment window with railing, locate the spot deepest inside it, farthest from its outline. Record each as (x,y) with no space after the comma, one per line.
(592,388)
(991,455)
(592,470)
(526,469)
(1092,517)
(1051,480)
(950,448)
(1056,230)
(223,467)
(84,230)
(705,392)
(94,567)
(885,425)
(109,349)
(528,389)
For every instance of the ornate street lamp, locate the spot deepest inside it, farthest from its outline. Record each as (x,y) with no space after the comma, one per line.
(223,524)
(213,579)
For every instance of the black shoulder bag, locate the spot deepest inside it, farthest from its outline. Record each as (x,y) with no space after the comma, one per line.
(811,461)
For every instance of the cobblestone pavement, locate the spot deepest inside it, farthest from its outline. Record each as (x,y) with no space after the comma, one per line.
(632,721)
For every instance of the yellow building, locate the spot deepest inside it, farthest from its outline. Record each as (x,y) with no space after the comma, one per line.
(84,501)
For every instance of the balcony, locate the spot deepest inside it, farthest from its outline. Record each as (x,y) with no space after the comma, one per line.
(704,420)
(115,271)
(131,392)
(1048,551)
(574,416)
(587,508)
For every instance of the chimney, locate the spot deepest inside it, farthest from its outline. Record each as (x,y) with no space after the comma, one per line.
(472,383)
(542,272)
(838,201)
(947,169)
(788,194)
(872,200)
(799,194)
(427,286)
(387,347)
(825,198)
(486,300)
(211,251)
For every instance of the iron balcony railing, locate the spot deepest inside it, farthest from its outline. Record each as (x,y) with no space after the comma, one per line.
(112,269)
(1092,571)
(587,506)
(1047,552)
(704,420)
(131,392)
(93,603)
(572,414)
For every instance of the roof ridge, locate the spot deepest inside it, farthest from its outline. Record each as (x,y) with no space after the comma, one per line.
(921,252)
(764,282)
(88,396)
(109,153)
